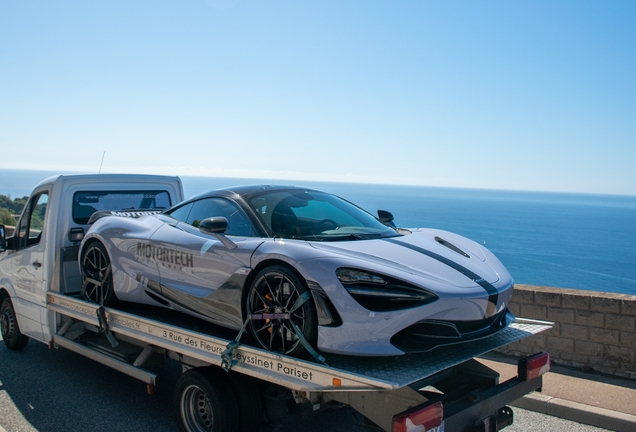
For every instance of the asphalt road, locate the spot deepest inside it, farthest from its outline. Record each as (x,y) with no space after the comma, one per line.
(58,390)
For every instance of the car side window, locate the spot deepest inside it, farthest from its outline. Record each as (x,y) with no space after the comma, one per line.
(32,221)
(181,213)
(238,223)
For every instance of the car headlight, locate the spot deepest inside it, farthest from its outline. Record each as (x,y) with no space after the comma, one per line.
(349,276)
(382,293)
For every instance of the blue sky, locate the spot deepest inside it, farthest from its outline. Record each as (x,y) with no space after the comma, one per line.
(529,95)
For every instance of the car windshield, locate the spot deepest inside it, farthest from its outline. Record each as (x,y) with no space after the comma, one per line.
(312,215)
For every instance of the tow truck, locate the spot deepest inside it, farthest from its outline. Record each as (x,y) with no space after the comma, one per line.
(227,385)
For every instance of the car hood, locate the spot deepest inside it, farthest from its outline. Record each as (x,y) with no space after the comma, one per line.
(433,254)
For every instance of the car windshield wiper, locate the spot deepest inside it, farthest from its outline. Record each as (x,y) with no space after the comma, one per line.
(351,236)
(354,236)
(339,237)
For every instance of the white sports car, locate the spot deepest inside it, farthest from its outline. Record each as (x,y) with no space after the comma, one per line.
(302,269)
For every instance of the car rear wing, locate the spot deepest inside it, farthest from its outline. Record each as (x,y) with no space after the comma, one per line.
(122,213)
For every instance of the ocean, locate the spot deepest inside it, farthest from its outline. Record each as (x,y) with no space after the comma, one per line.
(565,240)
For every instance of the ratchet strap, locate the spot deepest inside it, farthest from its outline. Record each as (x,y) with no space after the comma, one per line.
(301,337)
(101,313)
(226,356)
(103,326)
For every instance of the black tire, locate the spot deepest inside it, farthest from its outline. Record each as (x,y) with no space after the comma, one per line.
(204,401)
(11,334)
(97,275)
(275,290)
(249,400)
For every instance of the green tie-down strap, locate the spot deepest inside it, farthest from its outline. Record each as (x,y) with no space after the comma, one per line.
(301,301)
(306,344)
(226,356)
(103,326)
(301,337)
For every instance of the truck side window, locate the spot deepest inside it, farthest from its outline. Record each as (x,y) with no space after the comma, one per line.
(32,221)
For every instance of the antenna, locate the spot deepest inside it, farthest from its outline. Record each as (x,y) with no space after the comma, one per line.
(102,163)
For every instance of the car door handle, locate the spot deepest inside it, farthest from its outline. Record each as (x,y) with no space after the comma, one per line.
(36,264)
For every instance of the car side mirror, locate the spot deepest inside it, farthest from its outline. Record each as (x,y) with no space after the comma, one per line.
(217,226)
(213,225)
(386,217)
(3,240)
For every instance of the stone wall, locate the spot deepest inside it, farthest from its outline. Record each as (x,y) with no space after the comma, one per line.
(592,330)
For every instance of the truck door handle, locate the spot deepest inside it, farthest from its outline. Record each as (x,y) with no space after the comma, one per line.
(36,264)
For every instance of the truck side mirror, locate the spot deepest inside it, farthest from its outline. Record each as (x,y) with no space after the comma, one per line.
(76,235)
(8,243)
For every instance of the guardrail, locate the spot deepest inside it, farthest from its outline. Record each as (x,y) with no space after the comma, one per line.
(592,330)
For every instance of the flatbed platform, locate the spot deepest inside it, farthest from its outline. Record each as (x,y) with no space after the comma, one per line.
(191,338)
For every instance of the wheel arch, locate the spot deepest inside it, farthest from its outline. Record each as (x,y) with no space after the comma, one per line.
(87,242)
(9,293)
(3,294)
(327,313)
(7,290)
(85,245)
(260,266)
(15,340)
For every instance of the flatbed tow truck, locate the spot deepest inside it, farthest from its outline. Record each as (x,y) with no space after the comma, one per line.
(231,386)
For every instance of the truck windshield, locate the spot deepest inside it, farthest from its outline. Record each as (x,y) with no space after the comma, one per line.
(86,203)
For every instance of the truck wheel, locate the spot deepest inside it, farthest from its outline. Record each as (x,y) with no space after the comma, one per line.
(249,400)
(97,276)
(204,401)
(276,291)
(13,338)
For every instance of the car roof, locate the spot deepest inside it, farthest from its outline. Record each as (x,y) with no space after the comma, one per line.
(246,190)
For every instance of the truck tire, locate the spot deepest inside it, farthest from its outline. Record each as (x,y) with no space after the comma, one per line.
(204,401)
(11,334)
(249,400)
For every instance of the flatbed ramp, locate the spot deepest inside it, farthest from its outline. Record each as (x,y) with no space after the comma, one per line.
(340,373)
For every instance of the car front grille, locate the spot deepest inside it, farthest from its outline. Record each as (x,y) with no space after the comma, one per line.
(427,334)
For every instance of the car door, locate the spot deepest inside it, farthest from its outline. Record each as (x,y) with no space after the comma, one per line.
(198,271)
(27,264)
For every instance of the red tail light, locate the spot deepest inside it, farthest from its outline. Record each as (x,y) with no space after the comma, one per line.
(534,366)
(427,419)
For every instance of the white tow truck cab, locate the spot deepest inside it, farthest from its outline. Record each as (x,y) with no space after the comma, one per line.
(240,386)
(41,256)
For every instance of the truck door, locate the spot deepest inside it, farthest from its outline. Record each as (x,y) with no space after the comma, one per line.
(197,270)
(27,265)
